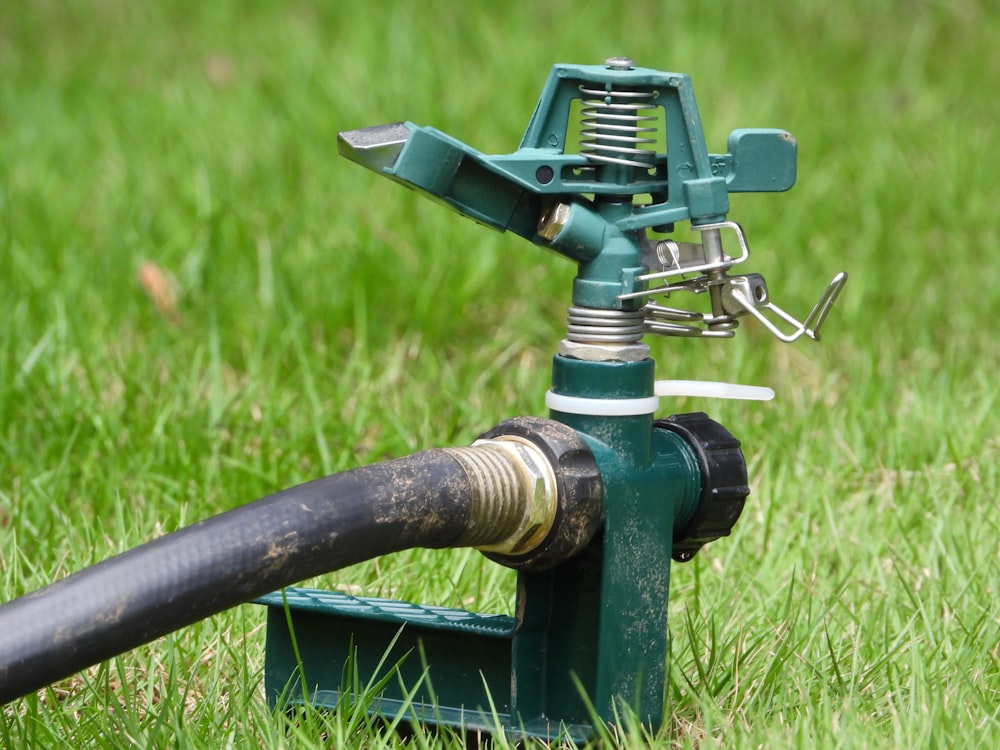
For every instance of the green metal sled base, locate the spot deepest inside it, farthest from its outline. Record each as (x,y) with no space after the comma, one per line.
(453,668)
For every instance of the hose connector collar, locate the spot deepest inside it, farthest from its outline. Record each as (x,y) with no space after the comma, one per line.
(579,491)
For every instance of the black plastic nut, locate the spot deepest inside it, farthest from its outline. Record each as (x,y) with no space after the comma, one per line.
(724,487)
(579,486)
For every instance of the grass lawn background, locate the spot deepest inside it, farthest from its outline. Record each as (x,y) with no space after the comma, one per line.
(322,317)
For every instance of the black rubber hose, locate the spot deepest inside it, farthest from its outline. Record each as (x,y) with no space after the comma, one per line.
(421,500)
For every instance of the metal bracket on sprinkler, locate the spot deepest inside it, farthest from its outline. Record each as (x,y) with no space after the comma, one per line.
(612,159)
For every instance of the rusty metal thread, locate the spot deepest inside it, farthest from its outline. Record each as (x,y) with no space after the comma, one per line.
(501,493)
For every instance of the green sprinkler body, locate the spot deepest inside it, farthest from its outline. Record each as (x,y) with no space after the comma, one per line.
(613,157)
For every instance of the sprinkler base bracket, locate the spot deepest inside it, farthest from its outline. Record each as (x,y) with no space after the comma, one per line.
(426,665)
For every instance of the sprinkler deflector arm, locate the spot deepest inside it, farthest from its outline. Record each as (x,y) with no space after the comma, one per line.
(532,497)
(597,205)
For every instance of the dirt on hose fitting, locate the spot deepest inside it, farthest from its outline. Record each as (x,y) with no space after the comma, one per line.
(580,491)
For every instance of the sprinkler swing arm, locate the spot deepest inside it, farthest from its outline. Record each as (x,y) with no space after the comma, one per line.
(540,191)
(590,626)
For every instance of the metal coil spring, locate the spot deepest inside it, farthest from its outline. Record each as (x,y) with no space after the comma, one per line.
(615,126)
(598,326)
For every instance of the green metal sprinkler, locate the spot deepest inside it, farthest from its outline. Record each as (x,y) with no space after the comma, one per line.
(589,505)
(613,158)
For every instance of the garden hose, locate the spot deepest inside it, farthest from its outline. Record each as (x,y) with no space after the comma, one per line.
(529,493)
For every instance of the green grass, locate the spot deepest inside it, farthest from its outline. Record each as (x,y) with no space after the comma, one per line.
(327,318)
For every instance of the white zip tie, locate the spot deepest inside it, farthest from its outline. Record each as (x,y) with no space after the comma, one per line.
(601,407)
(628,407)
(710,389)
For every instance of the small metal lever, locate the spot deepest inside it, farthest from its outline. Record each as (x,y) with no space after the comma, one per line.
(748,294)
(703,267)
